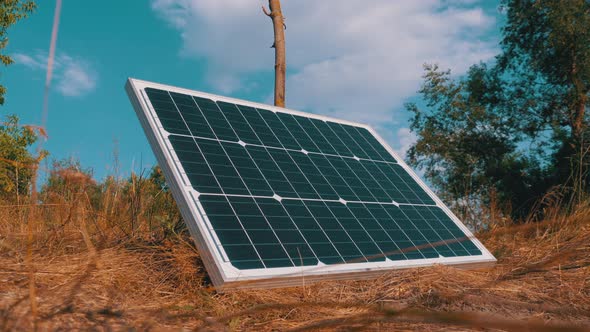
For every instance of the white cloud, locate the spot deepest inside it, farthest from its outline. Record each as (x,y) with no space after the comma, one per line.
(72,76)
(77,79)
(406,139)
(346,58)
(29,61)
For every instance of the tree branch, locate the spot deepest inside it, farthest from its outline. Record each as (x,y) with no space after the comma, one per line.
(278,21)
(266,11)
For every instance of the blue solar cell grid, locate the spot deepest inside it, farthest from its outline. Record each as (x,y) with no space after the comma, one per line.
(283,190)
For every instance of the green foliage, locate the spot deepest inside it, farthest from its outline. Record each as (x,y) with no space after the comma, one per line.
(136,206)
(11,11)
(66,180)
(546,59)
(519,127)
(457,134)
(16,162)
(163,209)
(546,54)
(150,204)
(466,145)
(549,43)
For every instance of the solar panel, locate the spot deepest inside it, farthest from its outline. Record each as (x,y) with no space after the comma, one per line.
(271,195)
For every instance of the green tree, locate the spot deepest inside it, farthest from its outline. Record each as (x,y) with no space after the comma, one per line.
(162,210)
(11,11)
(66,181)
(16,162)
(546,61)
(519,127)
(466,144)
(70,187)
(546,51)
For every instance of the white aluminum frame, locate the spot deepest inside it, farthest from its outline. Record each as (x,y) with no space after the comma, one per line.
(222,273)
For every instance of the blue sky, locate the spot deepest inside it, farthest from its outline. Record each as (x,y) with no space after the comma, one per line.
(345,59)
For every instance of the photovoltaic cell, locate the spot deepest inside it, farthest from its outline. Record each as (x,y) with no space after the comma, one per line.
(278,189)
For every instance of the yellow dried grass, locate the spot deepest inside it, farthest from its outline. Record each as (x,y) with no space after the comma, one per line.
(91,274)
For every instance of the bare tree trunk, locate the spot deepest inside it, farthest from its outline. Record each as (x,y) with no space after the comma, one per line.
(278,22)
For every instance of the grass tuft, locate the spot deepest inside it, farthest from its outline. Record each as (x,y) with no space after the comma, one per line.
(112,256)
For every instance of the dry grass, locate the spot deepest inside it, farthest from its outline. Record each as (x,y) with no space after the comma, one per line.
(100,270)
